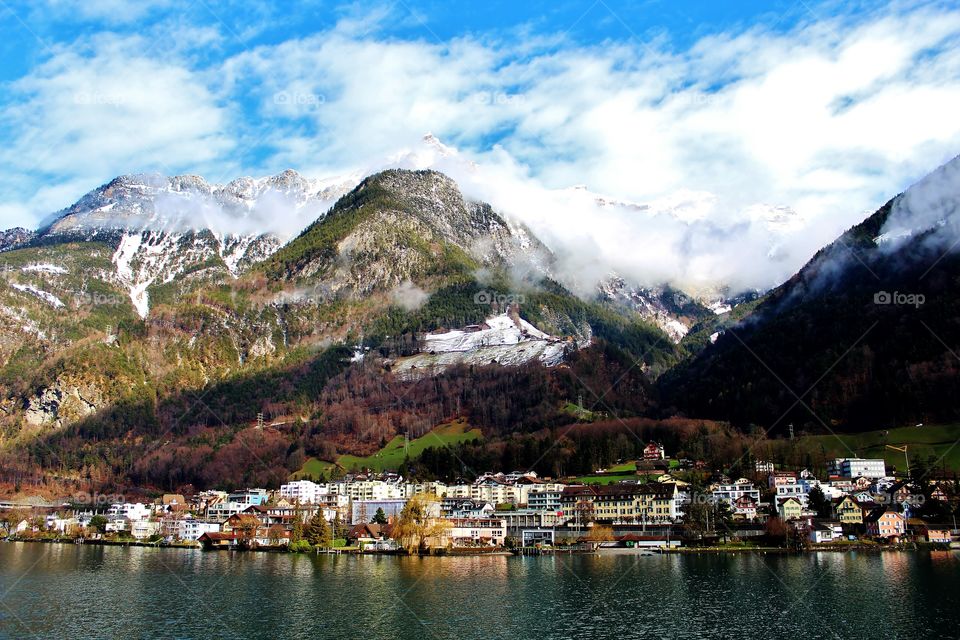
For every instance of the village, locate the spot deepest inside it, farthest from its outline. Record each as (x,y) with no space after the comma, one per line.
(856,505)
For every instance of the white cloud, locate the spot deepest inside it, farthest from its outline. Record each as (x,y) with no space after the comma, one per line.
(108,11)
(823,122)
(90,113)
(751,149)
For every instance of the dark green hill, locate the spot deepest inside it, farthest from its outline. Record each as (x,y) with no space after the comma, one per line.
(828,349)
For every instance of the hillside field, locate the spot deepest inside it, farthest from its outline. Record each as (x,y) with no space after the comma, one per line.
(941,443)
(393,454)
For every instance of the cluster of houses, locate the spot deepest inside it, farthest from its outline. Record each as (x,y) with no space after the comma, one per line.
(530,510)
(863,499)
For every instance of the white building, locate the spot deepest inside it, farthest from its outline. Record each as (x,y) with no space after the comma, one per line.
(371,490)
(793,490)
(465,508)
(191,529)
(855,467)
(223,510)
(477,531)
(763,467)
(433,488)
(545,500)
(731,492)
(303,491)
(822,532)
(61,525)
(117,525)
(143,529)
(829,491)
(128,510)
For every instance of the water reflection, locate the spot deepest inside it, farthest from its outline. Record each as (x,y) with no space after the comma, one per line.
(92,591)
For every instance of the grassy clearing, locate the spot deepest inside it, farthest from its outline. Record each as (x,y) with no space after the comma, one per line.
(939,442)
(393,455)
(313,468)
(395,452)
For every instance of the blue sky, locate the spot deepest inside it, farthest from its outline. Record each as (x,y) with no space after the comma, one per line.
(719,111)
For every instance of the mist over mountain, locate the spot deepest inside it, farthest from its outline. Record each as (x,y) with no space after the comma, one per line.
(690,241)
(865,335)
(316,302)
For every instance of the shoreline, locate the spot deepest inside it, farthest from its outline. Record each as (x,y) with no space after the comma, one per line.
(471,553)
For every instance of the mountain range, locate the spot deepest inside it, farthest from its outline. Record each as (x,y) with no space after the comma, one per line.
(148,325)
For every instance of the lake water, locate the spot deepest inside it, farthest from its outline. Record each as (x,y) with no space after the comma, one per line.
(69,591)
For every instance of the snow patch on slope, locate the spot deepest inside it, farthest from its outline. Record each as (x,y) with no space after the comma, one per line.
(501,339)
(720,307)
(44,268)
(49,298)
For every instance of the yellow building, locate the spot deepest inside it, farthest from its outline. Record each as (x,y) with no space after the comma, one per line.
(849,511)
(790,509)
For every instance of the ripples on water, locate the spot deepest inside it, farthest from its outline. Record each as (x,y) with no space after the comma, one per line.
(111,592)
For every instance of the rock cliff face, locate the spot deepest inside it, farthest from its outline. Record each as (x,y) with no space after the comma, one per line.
(62,403)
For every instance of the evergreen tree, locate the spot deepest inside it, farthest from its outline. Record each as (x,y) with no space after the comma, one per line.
(339,528)
(379,517)
(296,535)
(818,502)
(318,531)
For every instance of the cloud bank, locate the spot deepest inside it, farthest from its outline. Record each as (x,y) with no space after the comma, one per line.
(729,160)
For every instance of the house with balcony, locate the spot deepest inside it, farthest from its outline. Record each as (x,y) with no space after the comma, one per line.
(778,478)
(794,490)
(143,529)
(477,532)
(465,508)
(731,492)
(744,508)
(885,523)
(546,499)
(932,533)
(654,451)
(367,534)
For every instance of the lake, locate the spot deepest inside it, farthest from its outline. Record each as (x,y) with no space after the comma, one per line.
(88,591)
